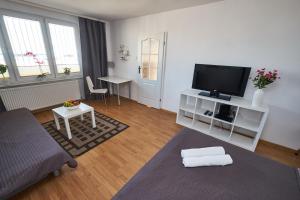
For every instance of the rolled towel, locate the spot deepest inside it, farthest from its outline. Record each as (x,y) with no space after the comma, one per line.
(219,160)
(207,151)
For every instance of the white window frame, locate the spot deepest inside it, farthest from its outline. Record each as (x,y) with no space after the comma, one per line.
(10,51)
(11,72)
(14,76)
(77,43)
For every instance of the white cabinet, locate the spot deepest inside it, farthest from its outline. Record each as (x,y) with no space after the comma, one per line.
(244,130)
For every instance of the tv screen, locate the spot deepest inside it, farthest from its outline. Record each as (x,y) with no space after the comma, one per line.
(224,79)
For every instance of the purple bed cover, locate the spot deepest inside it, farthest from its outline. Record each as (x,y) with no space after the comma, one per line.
(249,177)
(27,152)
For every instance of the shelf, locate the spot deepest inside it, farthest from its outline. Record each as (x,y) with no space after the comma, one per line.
(235,101)
(185,121)
(201,126)
(188,108)
(242,141)
(249,120)
(223,121)
(204,105)
(245,123)
(187,103)
(201,111)
(220,133)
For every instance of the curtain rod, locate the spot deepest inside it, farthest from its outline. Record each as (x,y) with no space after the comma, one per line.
(24,2)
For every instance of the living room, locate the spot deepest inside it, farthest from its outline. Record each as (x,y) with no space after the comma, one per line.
(117,89)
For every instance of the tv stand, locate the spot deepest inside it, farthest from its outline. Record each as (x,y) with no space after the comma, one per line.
(244,130)
(215,94)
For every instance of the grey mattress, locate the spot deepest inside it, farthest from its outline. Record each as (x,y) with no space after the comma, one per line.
(27,152)
(249,177)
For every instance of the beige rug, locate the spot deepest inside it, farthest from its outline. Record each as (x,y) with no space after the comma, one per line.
(84,137)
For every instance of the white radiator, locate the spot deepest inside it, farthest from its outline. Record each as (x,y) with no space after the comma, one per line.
(40,96)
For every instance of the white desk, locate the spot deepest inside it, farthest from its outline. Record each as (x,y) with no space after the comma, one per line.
(116,80)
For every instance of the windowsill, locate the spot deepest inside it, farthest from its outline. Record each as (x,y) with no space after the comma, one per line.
(10,84)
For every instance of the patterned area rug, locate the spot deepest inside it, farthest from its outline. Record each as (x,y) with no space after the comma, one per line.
(84,137)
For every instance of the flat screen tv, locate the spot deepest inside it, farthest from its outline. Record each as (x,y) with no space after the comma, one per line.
(218,79)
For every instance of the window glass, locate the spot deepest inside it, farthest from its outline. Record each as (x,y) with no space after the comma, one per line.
(150,50)
(28,46)
(64,47)
(2,62)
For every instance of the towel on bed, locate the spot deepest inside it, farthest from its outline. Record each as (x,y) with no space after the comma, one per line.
(218,160)
(207,151)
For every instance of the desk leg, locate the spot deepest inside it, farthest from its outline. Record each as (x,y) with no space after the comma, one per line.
(112,88)
(56,121)
(118,89)
(129,88)
(68,128)
(93,118)
(100,83)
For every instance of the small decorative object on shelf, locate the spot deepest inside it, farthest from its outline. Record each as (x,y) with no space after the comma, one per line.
(124,52)
(260,81)
(3,69)
(72,104)
(67,70)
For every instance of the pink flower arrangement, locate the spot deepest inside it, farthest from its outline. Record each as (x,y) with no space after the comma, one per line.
(37,61)
(35,58)
(264,78)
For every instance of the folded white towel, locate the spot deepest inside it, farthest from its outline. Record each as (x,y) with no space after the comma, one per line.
(219,160)
(207,151)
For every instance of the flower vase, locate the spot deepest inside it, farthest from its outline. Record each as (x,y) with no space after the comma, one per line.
(258,98)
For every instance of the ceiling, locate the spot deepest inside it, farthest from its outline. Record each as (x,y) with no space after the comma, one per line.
(117,9)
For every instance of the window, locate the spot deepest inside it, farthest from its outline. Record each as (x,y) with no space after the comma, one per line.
(28,46)
(64,47)
(37,48)
(2,62)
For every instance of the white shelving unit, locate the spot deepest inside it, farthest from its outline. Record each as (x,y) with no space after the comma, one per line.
(246,117)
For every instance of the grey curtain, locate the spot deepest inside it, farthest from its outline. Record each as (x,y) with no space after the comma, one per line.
(2,107)
(93,50)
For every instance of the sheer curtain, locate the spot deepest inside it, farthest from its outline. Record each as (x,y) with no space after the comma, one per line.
(94,52)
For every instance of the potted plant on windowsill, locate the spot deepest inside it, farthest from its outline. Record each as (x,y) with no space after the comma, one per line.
(67,70)
(41,76)
(3,70)
(260,81)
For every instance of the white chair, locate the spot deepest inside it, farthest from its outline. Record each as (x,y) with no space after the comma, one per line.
(95,91)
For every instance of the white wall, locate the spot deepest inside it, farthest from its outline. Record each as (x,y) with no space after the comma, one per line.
(256,33)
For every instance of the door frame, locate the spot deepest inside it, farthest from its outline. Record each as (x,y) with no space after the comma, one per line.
(163,65)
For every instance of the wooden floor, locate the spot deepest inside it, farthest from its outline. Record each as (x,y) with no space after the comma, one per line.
(102,171)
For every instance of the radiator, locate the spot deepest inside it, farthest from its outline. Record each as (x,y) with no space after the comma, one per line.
(40,96)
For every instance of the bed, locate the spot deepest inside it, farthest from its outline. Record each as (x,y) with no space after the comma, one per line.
(249,177)
(27,152)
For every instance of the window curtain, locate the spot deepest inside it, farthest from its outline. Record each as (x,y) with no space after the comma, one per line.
(2,107)
(94,52)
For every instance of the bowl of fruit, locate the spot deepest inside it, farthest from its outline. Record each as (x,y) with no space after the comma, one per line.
(72,104)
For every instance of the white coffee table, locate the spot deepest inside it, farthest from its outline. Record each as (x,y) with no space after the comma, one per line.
(67,114)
